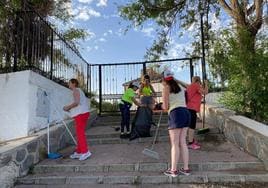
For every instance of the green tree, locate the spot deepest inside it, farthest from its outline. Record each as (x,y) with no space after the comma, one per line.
(170,15)
(21,29)
(238,56)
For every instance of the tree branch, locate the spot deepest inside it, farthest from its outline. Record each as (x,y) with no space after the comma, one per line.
(251,9)
(227,8)
(256,25)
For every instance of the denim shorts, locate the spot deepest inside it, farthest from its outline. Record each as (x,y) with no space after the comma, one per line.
(179,117)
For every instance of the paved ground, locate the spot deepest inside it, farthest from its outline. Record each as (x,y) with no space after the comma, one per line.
(146,186)
(132,153)
(114,163)
(211,151)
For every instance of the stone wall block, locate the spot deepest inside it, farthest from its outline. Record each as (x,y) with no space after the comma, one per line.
(21,154)
(27,163)
(253,146)
(32,147)
(8,175)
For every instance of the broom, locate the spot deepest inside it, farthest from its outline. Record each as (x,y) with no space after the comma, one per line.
(204,77)
(204,129)
(150,152)
(51,155)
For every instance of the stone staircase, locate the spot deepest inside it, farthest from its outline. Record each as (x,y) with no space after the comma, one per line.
(120,163)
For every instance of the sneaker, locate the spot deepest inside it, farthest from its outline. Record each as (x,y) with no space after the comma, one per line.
(196,143)
(84,156)
(128,134)
(171,173)
(185,172)
(75,155)
(193,146)
(123,135)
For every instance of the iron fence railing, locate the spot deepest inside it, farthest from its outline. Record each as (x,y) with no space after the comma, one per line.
(29,42)
(108,81)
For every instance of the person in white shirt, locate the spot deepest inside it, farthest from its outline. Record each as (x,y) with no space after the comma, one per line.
(79,110)
(178,122)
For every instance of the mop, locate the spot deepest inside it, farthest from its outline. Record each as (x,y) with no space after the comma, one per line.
(55,155)
(150,152)
(51,155)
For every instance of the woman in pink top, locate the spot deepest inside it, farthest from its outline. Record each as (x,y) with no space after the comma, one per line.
(194,94)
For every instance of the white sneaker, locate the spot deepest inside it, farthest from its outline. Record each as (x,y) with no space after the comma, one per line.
(75,155)
(84,156)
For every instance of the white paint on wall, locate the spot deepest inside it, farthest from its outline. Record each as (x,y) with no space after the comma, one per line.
(13,105)
(22,102)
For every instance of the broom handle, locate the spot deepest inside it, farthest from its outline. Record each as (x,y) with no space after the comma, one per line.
(56,109)
(68,130)
(204,112)
(156,132)
(48,147)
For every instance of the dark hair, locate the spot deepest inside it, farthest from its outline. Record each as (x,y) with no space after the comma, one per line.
(74,81)
(146,76)
(131,85)
(173,85)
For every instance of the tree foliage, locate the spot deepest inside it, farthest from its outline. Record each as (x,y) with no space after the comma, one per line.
(247,72)
(238,56)
(26,36)
(169,14)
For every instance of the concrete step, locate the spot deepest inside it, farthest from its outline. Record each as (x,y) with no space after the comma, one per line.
(106,154)
(162,138)
(116,117)
(235,176)
(110,132)
(205,185)
(118,123)
(116,120)
(145,167)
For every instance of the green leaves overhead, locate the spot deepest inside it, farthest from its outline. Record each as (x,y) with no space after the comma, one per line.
(238,55)
(169,15)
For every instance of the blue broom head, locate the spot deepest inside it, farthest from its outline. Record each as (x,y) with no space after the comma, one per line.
(54,155)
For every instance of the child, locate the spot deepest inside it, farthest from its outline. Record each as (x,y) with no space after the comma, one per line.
(79,109)
(125,104)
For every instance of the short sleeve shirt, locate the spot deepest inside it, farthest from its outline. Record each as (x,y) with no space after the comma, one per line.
(128,95)
(146,91)
(194,97)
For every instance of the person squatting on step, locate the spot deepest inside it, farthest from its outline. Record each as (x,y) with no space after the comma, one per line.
(125,104)
(193,98)
(79,110)
(178,123)
(147,92)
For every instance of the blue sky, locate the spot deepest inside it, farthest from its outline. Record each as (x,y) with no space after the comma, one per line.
(107,42)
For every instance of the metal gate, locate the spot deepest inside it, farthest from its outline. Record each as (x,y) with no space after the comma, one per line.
(108,81)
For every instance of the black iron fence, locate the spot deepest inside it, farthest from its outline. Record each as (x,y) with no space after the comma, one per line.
(29,42)
(108,81)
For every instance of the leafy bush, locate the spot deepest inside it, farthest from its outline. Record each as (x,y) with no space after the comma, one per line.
(247,77)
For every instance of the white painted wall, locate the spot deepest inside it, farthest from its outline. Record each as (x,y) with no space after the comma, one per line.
(18,103)
(13,105)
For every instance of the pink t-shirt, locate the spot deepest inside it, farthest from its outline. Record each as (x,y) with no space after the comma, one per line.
(194,97)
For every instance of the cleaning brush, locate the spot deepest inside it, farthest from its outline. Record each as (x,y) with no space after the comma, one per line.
(150,152)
